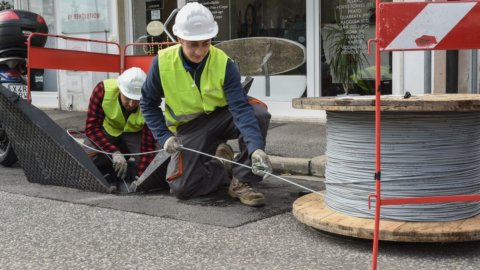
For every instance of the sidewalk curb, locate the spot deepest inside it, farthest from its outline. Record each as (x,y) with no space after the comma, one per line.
(303,166)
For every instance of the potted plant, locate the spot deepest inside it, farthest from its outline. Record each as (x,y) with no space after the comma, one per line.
(344,62)
(5,5)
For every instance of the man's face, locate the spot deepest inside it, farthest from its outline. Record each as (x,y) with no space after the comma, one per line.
(195,51)
(129,104)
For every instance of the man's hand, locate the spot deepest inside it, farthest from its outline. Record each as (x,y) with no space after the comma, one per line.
(120,164)
(172,145)
(261,163)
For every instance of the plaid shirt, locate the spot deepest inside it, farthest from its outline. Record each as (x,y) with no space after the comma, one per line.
(95,132)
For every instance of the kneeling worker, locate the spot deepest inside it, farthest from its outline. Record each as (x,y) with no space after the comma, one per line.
(205,105)
(115,125)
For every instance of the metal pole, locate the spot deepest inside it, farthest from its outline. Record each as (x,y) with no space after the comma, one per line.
(452,72)
(377,137)
(427,83)
(474,70)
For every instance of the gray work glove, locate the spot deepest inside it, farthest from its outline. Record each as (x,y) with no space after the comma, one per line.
(172,145)
(120,164)
(261,163)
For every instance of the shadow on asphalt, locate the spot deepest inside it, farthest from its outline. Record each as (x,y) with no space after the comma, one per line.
(216,209)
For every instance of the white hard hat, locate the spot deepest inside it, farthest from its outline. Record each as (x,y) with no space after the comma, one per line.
(195,22)
(131,81)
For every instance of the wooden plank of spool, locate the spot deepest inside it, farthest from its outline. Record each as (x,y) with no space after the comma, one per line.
(424,103)
(312,211)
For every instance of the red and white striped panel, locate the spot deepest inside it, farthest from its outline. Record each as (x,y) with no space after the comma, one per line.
(429,26)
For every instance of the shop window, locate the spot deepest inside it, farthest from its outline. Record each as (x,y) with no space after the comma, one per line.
(347,25)
(144,14)
(40,80)
(259,18)
(284,19)
(6,4)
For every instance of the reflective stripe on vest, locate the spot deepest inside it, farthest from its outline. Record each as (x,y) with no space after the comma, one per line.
(183,100)
(114,122)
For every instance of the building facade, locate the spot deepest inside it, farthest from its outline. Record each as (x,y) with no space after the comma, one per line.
(332,33)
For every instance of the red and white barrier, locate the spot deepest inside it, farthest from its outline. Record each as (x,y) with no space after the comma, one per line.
(429,26)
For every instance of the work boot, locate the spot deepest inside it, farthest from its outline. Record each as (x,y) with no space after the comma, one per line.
(225,151)
(245,193)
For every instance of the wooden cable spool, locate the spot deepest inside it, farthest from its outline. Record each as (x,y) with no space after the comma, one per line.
(312,210)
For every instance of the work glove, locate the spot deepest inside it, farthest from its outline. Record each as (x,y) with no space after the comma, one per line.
(120,164)
(261,163)
(172,145)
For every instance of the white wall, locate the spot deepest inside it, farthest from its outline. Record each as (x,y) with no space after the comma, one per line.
(75,88)
(413,71)
(314,81)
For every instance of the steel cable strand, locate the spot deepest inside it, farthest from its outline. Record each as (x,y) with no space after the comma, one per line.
(426,154)
(70,133)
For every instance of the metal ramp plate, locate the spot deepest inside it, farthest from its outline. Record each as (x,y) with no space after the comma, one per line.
(153,178)
(47,154)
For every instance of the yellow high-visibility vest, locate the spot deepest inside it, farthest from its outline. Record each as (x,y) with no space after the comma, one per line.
(183,100)
(114,122)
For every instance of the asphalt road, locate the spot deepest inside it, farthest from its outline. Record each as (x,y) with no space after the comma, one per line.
(39,233)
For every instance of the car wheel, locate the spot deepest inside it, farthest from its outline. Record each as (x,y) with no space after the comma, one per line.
(7,155)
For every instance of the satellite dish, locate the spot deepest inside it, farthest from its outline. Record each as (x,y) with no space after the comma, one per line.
(155,28)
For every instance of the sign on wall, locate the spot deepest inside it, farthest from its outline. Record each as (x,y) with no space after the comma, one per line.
(84,16)
(355,18)
(153,8)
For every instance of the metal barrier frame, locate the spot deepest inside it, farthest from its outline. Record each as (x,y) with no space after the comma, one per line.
(141,61)
(381,46)
(40,57)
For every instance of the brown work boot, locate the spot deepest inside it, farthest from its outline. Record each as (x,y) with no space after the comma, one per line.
(245,193)
(225,151)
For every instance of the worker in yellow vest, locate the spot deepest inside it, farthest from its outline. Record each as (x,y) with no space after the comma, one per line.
(205,105)
(115,125)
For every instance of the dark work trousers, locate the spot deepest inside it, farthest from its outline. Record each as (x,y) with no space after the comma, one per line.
(190,174)
(128,142)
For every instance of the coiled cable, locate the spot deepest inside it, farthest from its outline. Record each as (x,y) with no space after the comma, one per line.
(423,154)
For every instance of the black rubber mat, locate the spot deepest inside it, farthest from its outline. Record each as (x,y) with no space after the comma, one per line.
(215,209)
(274,125)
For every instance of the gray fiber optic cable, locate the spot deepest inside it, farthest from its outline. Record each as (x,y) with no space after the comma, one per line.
(423,154)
